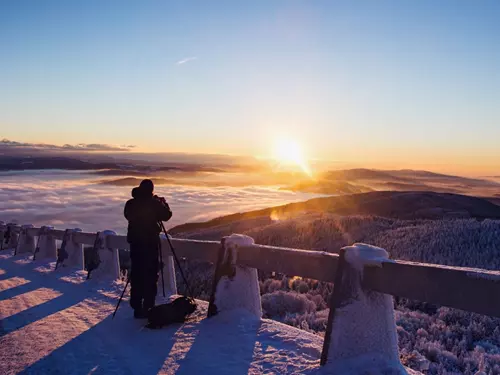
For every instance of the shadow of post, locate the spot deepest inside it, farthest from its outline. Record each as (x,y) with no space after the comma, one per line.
(118,346)
(224,344)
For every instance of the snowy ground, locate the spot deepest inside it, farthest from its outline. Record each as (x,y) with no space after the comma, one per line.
(58,323)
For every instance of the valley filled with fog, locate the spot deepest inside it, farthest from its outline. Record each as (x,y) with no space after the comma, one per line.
(80,199)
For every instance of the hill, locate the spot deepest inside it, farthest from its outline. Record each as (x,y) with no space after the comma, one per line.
(397,205)
(446,341)
(350,181)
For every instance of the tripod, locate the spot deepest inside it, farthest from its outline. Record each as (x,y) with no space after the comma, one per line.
(160,223)
(190,293)
(128,281)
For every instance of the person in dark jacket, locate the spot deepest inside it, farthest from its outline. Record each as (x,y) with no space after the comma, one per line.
(143,213)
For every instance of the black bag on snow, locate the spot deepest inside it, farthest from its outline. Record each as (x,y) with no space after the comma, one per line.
(173,312)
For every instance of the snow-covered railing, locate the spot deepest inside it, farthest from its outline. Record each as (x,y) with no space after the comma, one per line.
(361,308)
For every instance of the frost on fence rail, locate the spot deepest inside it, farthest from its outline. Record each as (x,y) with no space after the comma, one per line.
(363,331)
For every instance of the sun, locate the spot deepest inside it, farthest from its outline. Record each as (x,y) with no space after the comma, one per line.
(289,152)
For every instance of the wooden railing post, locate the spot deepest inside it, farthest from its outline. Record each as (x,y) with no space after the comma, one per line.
(218,273)
(334,303)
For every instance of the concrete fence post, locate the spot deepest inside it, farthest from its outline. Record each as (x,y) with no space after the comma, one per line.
(25,241)
(12,235)
(74,251)
(46,245)
(109,263)
(362,330)
(234,287)
(168,270)
(3,229)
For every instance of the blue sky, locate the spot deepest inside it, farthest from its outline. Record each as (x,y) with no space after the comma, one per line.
(373,83)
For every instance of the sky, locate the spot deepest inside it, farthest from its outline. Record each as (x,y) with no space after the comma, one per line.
(388,84)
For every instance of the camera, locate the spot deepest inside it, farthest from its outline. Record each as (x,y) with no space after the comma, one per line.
(160,199)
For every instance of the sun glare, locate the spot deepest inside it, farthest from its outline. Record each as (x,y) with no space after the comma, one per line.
(289,152)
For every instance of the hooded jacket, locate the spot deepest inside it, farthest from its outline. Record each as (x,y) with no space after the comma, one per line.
(143,213)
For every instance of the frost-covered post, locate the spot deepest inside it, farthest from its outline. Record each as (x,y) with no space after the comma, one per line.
(26,240)
(168,270)
(361,332)
(71,252)
(12,236)
(3,229)
(234,287)
(46,248)
(108,264)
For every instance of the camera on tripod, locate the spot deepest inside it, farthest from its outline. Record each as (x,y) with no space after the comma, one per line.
(160,199)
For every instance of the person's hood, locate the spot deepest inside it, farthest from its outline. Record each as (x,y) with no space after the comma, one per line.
(138,193)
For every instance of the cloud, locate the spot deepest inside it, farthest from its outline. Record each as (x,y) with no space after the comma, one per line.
(74,199)
(188,59)
(8,145)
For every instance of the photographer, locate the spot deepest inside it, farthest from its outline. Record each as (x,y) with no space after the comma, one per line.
(143,213)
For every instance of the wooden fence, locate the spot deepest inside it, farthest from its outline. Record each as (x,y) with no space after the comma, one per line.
(472,290)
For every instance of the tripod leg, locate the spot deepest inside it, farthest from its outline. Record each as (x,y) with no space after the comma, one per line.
(121,297)
(190,293)
(161,268)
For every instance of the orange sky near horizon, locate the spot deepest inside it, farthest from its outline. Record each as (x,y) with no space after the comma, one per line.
(471,162)
(373,84)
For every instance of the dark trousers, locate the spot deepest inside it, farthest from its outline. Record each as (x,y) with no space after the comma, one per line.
(144,275)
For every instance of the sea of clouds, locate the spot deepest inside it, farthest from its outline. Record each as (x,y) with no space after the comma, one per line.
(74,199)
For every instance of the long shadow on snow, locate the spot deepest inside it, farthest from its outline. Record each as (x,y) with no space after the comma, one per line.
(224,344)
(123,346)
(4,274)
(113,346)
(71,295)
(17,290)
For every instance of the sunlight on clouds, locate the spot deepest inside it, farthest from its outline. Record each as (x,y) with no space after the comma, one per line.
(69,202)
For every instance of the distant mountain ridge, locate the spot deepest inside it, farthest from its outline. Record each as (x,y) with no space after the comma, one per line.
(351,181)
(390,204)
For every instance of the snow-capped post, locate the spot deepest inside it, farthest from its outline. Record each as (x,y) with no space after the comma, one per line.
(168,270)
(26,240)
(108,264)
(234,286)
(3,229)
(46,248)
(12,236)
(361,330)
(71,253)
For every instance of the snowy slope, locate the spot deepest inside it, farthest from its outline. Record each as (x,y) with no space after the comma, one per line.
(58,323)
